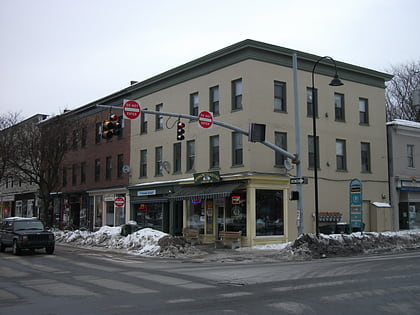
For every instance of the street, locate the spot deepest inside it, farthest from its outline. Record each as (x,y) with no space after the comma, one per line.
(83,281)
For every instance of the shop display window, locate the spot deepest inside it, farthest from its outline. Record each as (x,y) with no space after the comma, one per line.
(409,215)
(150,215)
(269,212)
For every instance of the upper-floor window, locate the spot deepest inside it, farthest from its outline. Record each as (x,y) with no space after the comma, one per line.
(237,94)
(143,163)
(237,149)
(75,140)
(177,157)
(214,152)
(311,101)
(363,111)
(98,131)
(190,155)
(159,118)
(158,161)
(365,157)
(410,155)
(64,175)
(120,165)
(74,174)
(339,107)
(83,172)
(194,104)
(143,123)
(311,152)
(340,154)
(97,171)
(108,167)
(280,96)
(280,139)
(214,100)
(83,137)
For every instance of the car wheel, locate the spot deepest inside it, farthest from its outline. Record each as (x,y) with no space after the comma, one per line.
(49,250)
(2,248)
(15,248)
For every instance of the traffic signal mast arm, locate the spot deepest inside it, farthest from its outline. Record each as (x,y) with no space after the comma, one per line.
(276,148)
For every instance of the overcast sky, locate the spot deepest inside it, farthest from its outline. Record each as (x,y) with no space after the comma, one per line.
(63,54)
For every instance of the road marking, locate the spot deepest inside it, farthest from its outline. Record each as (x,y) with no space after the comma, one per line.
(6,295)
(114,284)
(7,272)
(234,294)
(180,301)
(55,288)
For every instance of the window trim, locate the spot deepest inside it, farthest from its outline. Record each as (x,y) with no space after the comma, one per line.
(283,97)
(237,98)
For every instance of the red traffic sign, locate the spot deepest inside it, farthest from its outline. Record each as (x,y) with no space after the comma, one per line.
(119,201)
(205,119)
(131,110)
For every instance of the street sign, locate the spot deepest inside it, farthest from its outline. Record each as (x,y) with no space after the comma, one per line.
(131,110)
(205,119)
(298,180)
(356,204)
(119,201)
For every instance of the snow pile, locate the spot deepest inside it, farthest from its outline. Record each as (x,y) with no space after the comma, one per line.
(143,242)
(309,246)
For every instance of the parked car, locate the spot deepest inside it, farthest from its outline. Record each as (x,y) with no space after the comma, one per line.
(25,233)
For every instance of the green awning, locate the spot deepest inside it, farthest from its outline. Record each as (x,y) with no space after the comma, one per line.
(212,191)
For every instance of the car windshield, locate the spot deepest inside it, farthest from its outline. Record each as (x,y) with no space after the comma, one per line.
(29,225)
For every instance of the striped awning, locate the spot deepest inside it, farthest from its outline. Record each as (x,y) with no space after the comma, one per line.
(213,191)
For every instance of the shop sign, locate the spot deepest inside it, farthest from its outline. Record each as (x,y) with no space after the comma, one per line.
(236,200)
(356,213)
(196,201)
(207,177)
(146,192)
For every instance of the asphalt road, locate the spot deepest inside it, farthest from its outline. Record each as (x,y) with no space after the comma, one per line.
(80,281)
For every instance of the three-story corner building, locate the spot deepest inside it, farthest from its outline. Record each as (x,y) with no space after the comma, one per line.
(216,180)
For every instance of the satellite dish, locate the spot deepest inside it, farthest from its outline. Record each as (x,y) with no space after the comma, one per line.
(288,165)
(126,169)
(167,166)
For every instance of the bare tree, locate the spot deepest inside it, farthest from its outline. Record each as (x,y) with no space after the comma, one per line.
(399,91)
(38,152)
(7,121)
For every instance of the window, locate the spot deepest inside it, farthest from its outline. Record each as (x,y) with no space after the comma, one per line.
(214,100)
(177,157)
(339,107)
(280,139)
(214,152)
(74,174)
(143,163)
(84,137)
(311,151)
(237,149)
(280,96)
(309,104)
(365,157)
(410,155)
(98,130)
(120,165)
(158,161)
(190,155)
(143,123)
(74,140)
(159,118)
(194,104)
(269,215)
(363,111)
(108,167)
(340,154)
(83,172)
(237,94)
(97,170)
(64,177)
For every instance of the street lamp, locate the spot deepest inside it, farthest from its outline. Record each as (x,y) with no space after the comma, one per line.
(334,82)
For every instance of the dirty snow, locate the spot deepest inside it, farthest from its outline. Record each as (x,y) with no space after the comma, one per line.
(152,243)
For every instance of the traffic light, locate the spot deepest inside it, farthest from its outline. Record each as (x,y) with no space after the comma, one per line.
(116,124)
(180,131)
(107,129)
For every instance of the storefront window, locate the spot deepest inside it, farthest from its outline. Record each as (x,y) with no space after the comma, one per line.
(269,212)
(409,215)
(235,212)
(149,215)
(99,204)
(196,217)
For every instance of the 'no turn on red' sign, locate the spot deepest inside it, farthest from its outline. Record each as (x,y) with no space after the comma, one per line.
(131,110)
(205,119)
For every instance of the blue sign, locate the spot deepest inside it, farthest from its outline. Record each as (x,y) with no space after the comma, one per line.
(356,204)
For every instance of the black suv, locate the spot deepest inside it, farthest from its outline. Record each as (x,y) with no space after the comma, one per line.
(25,233)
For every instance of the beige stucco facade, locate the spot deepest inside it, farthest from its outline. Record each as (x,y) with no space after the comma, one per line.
(258,170)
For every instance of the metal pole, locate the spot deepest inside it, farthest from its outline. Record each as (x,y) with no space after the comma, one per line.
(297,143)
(315,143)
